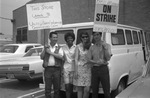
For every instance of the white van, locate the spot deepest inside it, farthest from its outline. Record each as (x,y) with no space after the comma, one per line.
(128,49)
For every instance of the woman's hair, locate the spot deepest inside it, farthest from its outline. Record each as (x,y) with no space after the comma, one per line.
(88,43)
(69,34)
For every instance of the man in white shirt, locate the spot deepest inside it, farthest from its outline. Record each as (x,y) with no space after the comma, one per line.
(52,56)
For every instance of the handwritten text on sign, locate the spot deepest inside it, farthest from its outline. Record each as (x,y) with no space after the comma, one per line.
(106,16)
(44,15)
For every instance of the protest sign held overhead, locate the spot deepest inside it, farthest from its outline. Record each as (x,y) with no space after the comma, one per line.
(44,15)
(106,16)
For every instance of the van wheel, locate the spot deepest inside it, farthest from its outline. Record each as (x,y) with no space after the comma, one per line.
(120,88)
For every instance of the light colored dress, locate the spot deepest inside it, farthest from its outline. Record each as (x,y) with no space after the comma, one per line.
(84,71)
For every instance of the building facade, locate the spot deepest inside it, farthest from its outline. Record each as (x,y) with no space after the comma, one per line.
(131,12)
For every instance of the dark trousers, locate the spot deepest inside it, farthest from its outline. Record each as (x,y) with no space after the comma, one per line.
(52,76)
(100,74)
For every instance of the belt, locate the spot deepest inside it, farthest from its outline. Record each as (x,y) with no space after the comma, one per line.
(102,65)
(53,66)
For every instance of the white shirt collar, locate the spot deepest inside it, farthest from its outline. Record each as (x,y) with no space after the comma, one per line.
(56,45)
(71,46)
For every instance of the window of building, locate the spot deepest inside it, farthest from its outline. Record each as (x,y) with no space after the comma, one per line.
(118,38)
(18,37)
(21,34)
(24,34)
(128,37)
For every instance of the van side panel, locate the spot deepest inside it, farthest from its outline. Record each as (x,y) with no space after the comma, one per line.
(126,60)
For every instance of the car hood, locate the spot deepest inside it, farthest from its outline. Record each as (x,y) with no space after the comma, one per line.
(22,60)
(139,89)
(3,54)
(142,90)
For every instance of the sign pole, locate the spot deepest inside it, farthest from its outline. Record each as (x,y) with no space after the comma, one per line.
(44,37)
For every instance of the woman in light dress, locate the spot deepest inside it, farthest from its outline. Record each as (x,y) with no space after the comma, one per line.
(82,78)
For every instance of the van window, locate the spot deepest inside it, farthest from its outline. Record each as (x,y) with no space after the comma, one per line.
(88,30)
(148,39)
(118,38)
(139,37)
(61,34)
(142,38)
(135,37)
(129,37)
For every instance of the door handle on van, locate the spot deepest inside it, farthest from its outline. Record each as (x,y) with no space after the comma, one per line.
(128,50)
(136,54)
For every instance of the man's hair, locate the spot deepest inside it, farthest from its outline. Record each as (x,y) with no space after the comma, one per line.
(51,33)
(98,32)
(69,34)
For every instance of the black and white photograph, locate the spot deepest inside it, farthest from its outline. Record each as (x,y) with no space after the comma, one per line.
(74,48)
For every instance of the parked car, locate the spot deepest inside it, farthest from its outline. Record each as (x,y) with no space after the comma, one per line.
(140,88)
(15,50)
(25,68)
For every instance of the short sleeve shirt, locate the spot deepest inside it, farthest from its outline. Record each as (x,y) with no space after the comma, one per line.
(51,58)
(69,54)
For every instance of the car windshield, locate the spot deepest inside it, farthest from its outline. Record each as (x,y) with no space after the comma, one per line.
(9,49)
(148,68)
(33,52)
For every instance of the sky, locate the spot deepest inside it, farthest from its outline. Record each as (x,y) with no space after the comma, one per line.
(6,8)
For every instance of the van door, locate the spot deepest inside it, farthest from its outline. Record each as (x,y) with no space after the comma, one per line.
(137,57)
(145,50)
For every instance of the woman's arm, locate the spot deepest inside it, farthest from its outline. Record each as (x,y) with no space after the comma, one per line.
(76,59)
(89,57)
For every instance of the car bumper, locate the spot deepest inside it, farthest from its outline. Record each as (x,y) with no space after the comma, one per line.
(16,71)
(17,74)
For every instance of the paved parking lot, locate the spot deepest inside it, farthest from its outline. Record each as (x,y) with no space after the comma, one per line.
(40,94)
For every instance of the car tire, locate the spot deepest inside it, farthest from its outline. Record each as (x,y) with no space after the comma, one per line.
(121,86)
(22,80)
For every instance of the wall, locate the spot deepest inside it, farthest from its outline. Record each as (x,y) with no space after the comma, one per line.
(131,12)
(135,13)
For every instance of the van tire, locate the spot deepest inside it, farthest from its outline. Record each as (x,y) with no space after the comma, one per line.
(121,86)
